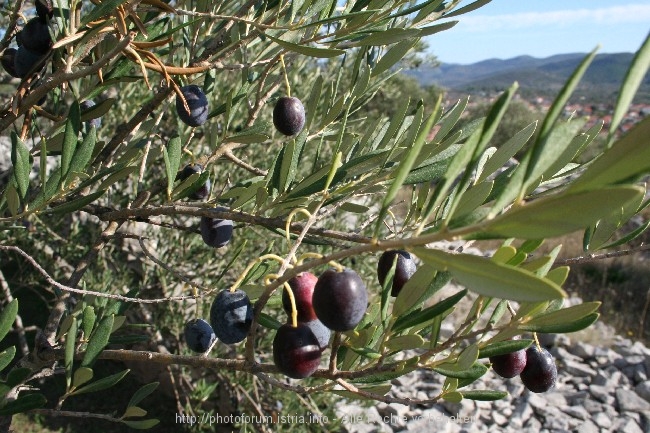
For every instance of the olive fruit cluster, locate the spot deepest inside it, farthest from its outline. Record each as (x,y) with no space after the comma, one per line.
(231,316)
(34,43)
(535,367)
(337,300)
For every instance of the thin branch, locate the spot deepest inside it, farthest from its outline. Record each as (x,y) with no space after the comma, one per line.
(246,166)
(595,257)
(234,216)
(228,18)
(70,289)
(384,398)
(68,413)
(179,275)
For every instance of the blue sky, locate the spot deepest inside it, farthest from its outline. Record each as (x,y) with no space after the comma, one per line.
(508,28)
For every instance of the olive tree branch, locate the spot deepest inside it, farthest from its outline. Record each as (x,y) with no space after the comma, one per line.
(74,414)
(211,212)
(595,257)
(71,289)
(243,164)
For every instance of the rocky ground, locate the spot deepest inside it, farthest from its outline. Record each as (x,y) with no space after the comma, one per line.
(601,388)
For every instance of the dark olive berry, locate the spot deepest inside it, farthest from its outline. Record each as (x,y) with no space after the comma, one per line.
(540,373)
(8,62)
(26,61)
(509,365)
(86,106)
(216,232)
(320,331)
(296,352)
(404,269)
(35,36)
(44,9)
(302,287)
(289,115)
(231,316)
(200,192)
(340,299)
(199,335)
(197,103)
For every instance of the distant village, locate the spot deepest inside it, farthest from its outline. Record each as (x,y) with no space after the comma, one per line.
(595,112)
(598,112)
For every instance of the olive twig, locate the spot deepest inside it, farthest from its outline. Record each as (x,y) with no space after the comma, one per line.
(243,275)
(286,76)
(294,310)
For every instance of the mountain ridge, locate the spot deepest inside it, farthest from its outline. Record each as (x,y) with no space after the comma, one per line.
(536,76)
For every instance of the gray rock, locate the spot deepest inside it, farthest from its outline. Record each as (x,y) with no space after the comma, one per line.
(640,373)
(578,368)
(588,427)
(643,390)
(583,350)
(361,420)
(522,412)
(592,406)
(626,425)
(555,398)
(602,394)
(576,398)
(578,412)
(532,426)
(499,419)
(602,420)
(627,360)
(630,401)
(537,401)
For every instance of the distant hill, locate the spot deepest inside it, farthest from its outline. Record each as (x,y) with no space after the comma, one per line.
(536,77)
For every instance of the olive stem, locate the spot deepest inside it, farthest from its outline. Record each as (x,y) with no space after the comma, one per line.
(287,228)
(250,266)
(302,258)
(539,346)
(286,77)
(294,309)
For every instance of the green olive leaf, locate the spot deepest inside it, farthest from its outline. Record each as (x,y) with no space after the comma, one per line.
(540,218)
(98,340)
(503,348)
(101,384)
(20,159)
(484,395)
(22,404)
(143,424)
(489,278)
(81,376)
(7,356)
(7,317)
(142,393)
